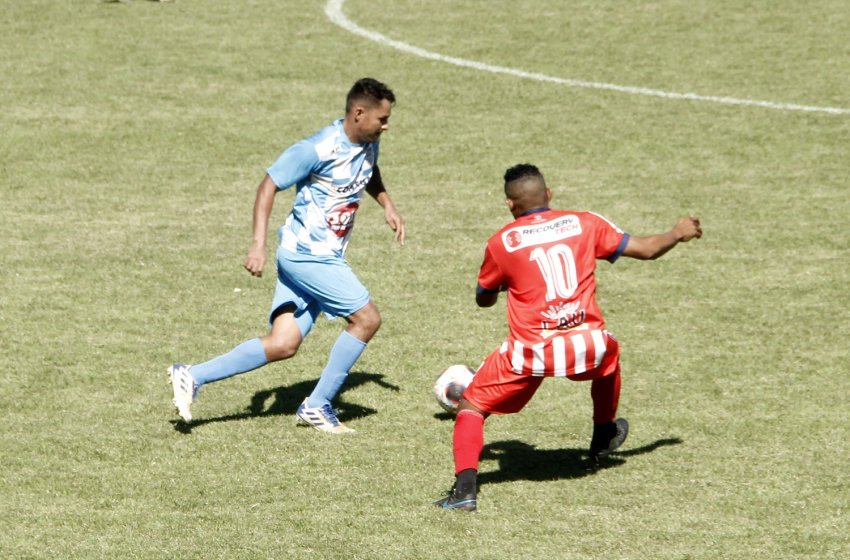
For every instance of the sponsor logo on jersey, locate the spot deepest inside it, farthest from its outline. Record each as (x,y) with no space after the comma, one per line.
(562,317)
(358,183)
(530,235)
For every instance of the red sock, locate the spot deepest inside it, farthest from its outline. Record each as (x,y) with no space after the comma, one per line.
(468,440)
(605,392)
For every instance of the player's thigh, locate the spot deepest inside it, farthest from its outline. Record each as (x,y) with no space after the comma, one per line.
(284,337)
(497,390)
(289,298)
(328,281)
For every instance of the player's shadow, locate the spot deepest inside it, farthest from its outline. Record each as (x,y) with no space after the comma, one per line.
(518,460)
(284,400)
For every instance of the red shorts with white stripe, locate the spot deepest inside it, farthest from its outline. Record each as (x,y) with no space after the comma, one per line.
(510,376)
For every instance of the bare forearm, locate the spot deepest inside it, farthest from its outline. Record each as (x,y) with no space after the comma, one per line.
(256,259)
(384,200)
(653,246)
(262,211)
(376,190)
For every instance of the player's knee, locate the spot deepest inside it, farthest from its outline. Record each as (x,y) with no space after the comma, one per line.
(365,323)
(371,322)
(280,349)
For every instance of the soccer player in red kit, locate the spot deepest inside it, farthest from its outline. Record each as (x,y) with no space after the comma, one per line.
(545,259)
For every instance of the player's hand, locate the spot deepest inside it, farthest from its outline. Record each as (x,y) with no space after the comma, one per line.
(396,223)
(255,261)
(687,229)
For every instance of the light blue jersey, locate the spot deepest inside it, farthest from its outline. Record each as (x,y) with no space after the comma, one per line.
(330,173)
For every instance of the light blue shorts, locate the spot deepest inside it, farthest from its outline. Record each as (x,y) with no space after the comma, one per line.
(314,284)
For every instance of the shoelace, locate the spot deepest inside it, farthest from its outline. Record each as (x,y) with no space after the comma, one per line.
(329,413)
(446,494)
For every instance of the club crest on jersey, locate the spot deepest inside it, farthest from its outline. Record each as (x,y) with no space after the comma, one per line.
(513,239)
(341,219)
(529,235)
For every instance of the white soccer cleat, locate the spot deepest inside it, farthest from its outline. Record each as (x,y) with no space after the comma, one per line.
(185,390)
(323,419)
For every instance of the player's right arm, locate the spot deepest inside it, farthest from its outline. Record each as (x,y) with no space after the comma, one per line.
(292,166)
(486,298)
(653,246)
(489,275)
(256,259)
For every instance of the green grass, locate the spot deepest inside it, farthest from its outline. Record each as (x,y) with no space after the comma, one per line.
(133,137)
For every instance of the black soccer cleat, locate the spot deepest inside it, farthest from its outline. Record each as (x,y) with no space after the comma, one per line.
(462,496)
(607,438)
(463,502)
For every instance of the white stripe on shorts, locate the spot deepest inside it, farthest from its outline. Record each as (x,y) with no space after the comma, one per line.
(599,342)
(537,365)
(581,351)
(517,360)
(559,351)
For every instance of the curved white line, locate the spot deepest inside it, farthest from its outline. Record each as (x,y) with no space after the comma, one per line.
(333,9)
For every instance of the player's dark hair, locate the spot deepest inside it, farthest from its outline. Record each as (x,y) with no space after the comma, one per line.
(370,90)
(521,171)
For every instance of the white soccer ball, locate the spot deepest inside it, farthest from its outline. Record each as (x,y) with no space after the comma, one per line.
(451,384)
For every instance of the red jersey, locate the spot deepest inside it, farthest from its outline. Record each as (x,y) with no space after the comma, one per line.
(546,259)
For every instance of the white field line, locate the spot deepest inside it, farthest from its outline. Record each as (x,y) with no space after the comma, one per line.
(333,9)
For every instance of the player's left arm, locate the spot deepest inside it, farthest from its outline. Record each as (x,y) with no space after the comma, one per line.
(653,246)
(376,190)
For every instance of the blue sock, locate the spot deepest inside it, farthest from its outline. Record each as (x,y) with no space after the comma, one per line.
(245,357)
(344,353)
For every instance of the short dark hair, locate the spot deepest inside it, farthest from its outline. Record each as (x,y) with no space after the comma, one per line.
(368,89)
(521,171)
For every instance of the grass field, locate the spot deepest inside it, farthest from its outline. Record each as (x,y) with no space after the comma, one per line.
(133,136)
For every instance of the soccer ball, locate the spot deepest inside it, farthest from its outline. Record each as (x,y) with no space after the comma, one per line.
(450,386)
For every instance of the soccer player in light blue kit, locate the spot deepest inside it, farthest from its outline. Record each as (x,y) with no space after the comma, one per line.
(330,169)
